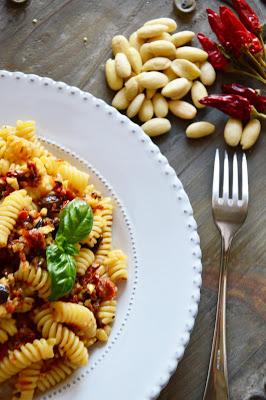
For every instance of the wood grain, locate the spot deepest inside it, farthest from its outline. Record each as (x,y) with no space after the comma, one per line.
(54,47)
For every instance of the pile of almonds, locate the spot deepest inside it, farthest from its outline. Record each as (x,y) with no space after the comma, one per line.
(153,71)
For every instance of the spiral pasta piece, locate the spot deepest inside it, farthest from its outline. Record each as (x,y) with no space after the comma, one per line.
(56,374)
(69,344)
(9,211)
(25,305)
(106,212)
(106,312)
(101,271)
(7,328)
(77,179)
(116,264)
(18,149)
(27,382)
(28,354)
(38,278)
(4,166)
(50,164)
(84,260)
(7,130)
(92,196)
(26,130)
(96,231)
(2,147)
(75,314)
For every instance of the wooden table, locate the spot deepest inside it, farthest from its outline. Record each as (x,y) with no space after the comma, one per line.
(53,46)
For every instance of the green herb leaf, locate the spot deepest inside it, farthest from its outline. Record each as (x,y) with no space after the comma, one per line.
(62,269)
(76,221)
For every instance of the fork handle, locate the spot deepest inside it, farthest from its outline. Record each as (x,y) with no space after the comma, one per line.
(217,380)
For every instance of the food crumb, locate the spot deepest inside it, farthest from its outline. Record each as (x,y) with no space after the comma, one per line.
(34,21)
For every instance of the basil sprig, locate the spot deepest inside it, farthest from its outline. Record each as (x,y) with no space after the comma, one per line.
(76,221)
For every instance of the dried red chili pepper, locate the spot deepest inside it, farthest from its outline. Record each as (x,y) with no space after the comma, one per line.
(234,105)
(258,101)
(237,34)
(215,56)
(248,16)
(217,27)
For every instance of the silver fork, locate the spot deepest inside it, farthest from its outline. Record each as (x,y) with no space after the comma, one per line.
(229,214)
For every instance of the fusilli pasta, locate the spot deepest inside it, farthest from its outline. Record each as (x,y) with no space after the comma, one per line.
(9,211)
(28,354)
(106,312)
(69,344)
(75,314)
(60,273)
(27,382)
(84,260)
(57,373)
(26,130)
(7,328)
(106,211)
(97,229)
(37,278)
(116,263)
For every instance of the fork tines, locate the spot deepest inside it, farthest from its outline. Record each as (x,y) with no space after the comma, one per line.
(235,193)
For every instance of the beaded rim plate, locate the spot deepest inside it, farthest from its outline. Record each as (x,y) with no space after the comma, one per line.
(158,306)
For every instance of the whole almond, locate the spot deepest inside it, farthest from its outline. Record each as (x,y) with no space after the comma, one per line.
(191,54)
(150,93)
(122,65)
(152,80)
(181,38)
(162,48)
(134,59)
(169,22)
(156,126)
(170,74)
(163,36)
(198,91)
(148,31)
(135,41)
(182,109)
(135,105)
(160,105)
(250,134)
(156,64)
(132,88)
(233,131)
(113,80)
(120,101)
(146,111)
(208,74)
(199,129)
(145,52)
(177,88)
(120,44)
(185,69)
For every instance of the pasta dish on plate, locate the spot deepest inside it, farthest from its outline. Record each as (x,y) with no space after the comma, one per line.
(58,269)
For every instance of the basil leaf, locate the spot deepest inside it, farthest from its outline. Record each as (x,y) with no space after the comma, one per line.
(76,221)
(62,269)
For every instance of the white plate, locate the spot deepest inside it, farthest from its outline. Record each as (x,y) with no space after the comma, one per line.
(158,306)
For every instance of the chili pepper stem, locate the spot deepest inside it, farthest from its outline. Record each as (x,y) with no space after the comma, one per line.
(241,72)
(256,63)
(263,47)
(262,61)
(256,114)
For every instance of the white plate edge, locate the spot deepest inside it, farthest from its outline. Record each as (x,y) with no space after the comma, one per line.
(176,184)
